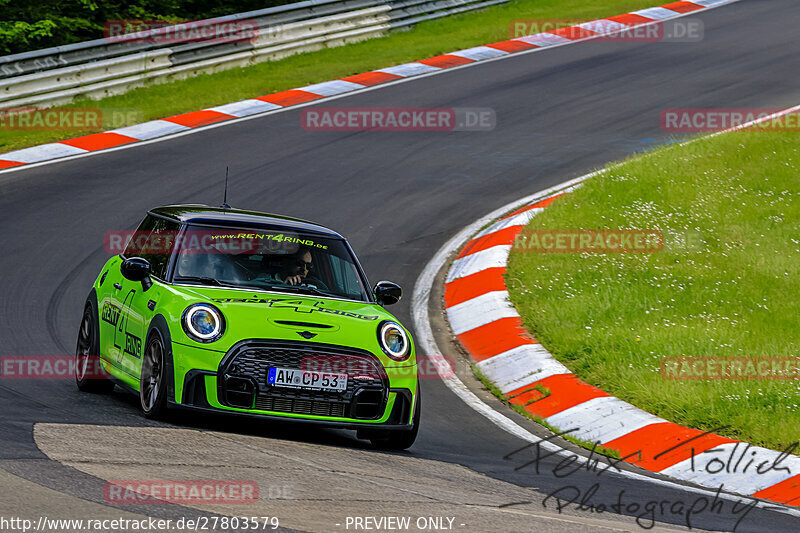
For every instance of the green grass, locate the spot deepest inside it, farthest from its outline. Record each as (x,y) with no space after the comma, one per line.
(728,290)
(424,40)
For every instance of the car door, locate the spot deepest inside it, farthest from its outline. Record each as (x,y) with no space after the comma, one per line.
(153,241)
(128,333)
(109,309)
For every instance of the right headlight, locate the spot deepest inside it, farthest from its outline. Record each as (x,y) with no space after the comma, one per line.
(394,340)
(203,322)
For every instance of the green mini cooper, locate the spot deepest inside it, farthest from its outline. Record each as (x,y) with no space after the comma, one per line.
(225,310)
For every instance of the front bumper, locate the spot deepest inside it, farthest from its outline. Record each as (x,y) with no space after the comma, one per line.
(235,383)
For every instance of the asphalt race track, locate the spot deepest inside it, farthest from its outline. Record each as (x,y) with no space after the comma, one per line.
(397,196)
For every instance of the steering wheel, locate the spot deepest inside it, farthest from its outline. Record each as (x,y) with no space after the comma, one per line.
(315,282)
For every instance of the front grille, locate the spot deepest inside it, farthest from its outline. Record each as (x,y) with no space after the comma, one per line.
(243,379)
(304,407)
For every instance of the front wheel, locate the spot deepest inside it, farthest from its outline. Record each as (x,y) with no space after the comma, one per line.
(153,383)
(89,375)
(401,440)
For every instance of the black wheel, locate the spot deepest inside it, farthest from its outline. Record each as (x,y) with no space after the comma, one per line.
(89,375)
(153,382)
(401,440)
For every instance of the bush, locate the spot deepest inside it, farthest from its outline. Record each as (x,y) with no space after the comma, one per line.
(26,26)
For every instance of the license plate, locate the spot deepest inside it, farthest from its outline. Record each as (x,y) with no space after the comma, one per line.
(306,379)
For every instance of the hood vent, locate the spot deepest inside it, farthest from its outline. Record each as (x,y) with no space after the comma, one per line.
(302,324)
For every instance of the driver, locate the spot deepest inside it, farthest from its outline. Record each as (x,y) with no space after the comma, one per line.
(297,267)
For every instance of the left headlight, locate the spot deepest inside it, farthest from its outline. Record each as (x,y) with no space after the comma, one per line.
(394,341)
(203,322)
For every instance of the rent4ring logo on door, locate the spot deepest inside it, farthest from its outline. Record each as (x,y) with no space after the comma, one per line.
(111,313)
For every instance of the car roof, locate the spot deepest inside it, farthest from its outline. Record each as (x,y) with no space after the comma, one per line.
(239,218)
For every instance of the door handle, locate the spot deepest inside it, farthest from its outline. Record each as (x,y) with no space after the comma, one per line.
(117,286)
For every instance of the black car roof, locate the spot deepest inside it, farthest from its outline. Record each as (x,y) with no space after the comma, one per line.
(229,217)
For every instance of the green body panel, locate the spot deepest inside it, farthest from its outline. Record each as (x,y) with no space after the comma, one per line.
(125,320)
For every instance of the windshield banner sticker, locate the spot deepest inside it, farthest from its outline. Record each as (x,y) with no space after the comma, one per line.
(197,241)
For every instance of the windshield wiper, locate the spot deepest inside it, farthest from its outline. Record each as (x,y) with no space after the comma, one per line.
(200,279)
(207,281)
(218,283)
(287,288)
(305,289)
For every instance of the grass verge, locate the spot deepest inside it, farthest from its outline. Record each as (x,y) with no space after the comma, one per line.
(427,39)
(721,288)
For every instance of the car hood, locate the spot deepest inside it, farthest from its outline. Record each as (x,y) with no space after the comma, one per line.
(260,314)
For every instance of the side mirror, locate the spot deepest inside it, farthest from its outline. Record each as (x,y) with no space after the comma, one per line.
(388,293)
(137,269)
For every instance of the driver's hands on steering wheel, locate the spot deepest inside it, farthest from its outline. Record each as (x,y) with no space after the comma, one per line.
(294,280)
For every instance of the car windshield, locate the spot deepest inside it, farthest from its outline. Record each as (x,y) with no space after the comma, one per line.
(268,260)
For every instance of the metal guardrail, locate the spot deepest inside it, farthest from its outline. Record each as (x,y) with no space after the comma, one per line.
(105,67)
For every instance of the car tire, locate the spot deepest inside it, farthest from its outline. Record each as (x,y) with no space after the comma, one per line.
(87,353)
(402,439)
(153,380)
